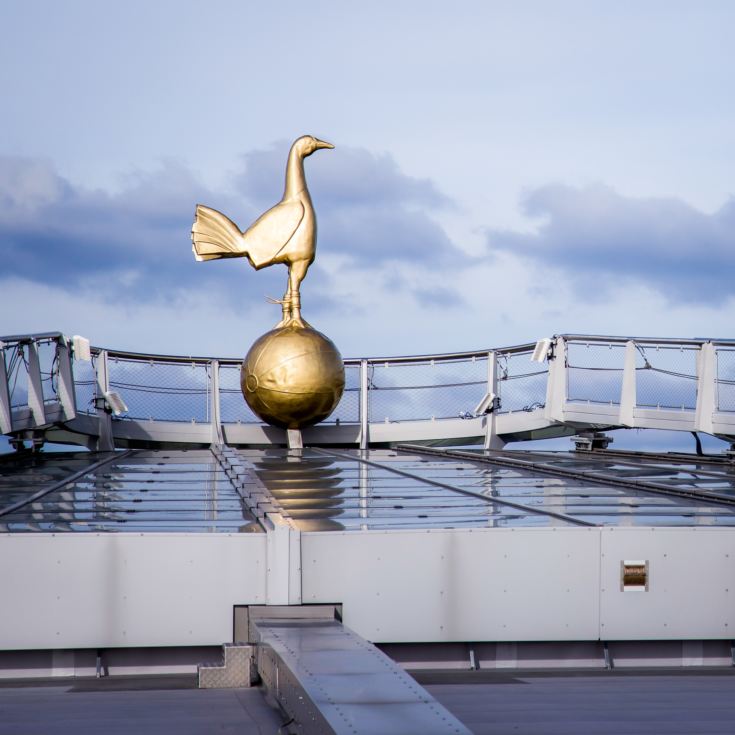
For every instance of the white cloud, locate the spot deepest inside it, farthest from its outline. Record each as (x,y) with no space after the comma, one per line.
(600,238)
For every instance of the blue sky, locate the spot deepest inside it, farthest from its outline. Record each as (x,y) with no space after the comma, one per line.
(503,170)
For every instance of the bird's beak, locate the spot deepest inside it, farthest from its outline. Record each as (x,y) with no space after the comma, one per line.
(323,144)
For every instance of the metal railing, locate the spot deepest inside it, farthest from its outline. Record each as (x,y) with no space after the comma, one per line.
(595,380)
(36,381)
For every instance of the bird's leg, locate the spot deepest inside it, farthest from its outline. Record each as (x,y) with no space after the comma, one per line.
(286,310)
(296,274)
(296,319)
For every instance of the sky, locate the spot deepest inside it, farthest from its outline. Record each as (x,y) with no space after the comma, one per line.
(502,171)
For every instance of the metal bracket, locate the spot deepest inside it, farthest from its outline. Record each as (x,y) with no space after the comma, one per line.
(588,441)
(295,439)
(609,664)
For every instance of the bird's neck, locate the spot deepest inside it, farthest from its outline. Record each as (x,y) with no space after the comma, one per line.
(295,180)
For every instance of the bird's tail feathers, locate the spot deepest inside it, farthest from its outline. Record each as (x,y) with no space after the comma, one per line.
(214,235)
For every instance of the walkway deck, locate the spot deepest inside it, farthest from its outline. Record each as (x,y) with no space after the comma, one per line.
(153,705)
(606,703)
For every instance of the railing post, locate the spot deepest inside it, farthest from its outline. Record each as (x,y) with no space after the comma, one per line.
(35,386)
(105,441)
(65,387)
(628,391)
(214,406)
(492,441)
(364,405)
(6,416)
(706,389)
(556,386)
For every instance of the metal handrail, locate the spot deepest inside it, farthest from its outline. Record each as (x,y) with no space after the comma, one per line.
(689,341)
(353,361)
(439,356)
(30,337)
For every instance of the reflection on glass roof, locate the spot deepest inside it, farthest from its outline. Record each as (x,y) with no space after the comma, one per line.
(320,489)
(344,493)
(382,489)
(139,491)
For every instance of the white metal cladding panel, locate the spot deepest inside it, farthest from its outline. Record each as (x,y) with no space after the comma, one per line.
(105,590)
(458,585)
(691,591)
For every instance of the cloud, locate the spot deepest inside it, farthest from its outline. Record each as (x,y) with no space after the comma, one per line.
(600,237)
(133,244)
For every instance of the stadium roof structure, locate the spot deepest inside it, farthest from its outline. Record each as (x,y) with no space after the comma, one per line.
(404,536)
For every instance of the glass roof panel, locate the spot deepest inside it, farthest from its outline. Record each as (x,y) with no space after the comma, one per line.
(184,491)
(189,491)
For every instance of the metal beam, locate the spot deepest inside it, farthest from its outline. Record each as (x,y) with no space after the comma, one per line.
(105,440)
(706,389)
(680,457)
(35,386)
(625,458)
(65,387)
(214,407)
(364,405)
(6,415)
(556,384)
(492,441)
(628,391)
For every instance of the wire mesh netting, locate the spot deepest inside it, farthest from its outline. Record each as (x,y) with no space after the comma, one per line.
(17,363)
(595,372)
(521,383)
(49,364)
(409,391)
(348,408)
(232,406)
(16,366)
(163,391)
(85,383)
(666,377)
(725,379)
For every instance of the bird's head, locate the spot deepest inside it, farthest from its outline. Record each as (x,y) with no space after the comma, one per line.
(307,144)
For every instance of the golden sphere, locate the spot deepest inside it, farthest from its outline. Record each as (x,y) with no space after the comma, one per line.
(292,377)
